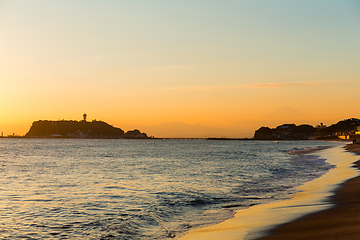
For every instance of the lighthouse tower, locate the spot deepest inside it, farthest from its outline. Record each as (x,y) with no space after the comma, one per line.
(84,117)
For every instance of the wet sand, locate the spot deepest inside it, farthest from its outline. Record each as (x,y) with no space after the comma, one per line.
(310,214)
(342,221)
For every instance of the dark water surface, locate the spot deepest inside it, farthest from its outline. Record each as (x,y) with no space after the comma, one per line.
(140,189)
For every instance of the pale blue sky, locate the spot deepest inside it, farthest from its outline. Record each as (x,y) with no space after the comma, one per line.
(99,53)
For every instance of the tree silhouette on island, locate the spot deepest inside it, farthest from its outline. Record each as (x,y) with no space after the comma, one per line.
(80,129)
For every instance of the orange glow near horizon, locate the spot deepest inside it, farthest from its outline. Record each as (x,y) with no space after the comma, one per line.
(138,65)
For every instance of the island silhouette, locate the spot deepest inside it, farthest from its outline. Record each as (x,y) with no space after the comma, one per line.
(348,129)
(80,129)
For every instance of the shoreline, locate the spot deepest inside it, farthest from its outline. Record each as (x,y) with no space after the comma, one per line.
(341,221)
(265,219)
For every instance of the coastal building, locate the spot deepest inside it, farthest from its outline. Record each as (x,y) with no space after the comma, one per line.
(84,117)
(320,126)
(344,137)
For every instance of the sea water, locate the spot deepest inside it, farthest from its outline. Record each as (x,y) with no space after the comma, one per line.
(141,189)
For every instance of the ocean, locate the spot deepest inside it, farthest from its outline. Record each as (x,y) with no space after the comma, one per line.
(142,189)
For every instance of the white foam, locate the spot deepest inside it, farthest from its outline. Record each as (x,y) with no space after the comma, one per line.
(309,149)
(253,223)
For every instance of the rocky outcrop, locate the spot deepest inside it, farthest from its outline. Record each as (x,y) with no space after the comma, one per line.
(135,134)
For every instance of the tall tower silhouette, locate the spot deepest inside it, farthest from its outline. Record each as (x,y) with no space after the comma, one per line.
(84,117)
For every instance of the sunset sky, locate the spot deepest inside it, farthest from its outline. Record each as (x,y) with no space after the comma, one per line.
(226,64)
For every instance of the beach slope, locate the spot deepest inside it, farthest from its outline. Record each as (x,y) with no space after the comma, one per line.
(342,221)
(313,213)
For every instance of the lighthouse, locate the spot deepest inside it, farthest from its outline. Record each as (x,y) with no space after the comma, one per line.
(84,117)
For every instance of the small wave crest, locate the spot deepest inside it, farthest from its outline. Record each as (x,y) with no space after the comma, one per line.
(307,150)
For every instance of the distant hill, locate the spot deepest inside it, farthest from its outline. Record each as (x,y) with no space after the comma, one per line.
(284,115)
(79,129)
(345,129)
(286,132)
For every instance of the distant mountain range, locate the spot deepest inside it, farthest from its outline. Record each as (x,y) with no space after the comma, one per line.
(242,129)
(185,130)
(286,113)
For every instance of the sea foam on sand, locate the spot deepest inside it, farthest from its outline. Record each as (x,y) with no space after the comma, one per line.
(255,221)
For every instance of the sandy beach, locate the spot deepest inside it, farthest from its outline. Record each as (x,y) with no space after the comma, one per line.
(339,222)
(310,214)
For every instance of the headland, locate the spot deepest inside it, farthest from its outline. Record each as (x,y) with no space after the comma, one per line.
(80,129)
(348,129)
